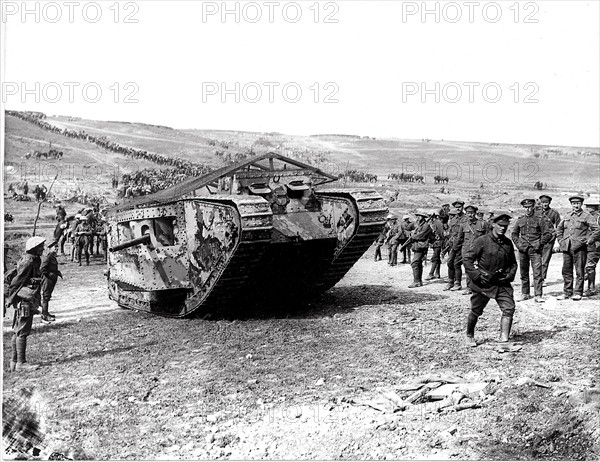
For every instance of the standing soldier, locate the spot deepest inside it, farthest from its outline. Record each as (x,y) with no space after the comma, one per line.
(419,241)
(381,238)
(574,233)
(73,237)
(393,239)
(492,266)
(24,296)
(443,213)
(436,247)
(455,254)
(407,227)
(530,234)
(593,250)
(553,218)
(83,232)
(50,274)
(470,229)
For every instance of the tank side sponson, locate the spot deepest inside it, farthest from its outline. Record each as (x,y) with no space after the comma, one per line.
(370,210)
(225,282)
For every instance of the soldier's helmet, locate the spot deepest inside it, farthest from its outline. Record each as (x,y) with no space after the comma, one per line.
(34,242)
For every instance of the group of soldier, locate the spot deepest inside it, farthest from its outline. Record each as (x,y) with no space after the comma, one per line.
(82,230)
(480,245)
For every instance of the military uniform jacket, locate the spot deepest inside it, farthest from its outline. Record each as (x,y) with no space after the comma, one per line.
(420,237)
(438,232)
(468,231)
(395,234)
(28,268)
(531,231)
(49,267)
(553,218)
(454,225)
(595,246)
(490,264)
(576,230)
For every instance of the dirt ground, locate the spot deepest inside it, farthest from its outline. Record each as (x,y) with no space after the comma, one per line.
(119,384)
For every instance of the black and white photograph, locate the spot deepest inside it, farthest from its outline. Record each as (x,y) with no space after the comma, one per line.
(300,230)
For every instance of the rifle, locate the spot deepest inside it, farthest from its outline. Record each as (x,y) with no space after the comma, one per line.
(410,239)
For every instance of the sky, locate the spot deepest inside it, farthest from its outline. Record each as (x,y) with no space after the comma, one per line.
(506,71)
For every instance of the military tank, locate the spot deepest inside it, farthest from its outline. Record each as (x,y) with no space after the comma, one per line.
(257,233)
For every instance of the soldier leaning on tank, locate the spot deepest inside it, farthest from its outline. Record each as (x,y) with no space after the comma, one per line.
(24,296)
(419,238)
(393,239)
(530,233)
(470,229)
(407,228)
(575,233)
(553,218)
(50,274)
(492,266)
(593,250)
(436,247)
(455,253)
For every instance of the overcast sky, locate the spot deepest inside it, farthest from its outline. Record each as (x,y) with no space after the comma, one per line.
(524,72)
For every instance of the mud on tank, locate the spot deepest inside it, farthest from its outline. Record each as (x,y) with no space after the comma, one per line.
(256,233)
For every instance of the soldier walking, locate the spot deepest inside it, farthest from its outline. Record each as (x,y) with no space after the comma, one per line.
(530,234)
(455,254)
(470,229)
(407,227)
(553,218)
(83,233)
(592,207)
(575,233)
(436,247)
(419,242)
(491,265)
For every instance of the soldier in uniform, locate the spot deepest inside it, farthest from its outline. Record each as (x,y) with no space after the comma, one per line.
(83,233)
(553,218)
(592,206)
(24,296)
(444,213)
(381,238)
(470,229)
(393,239)
(492,266)
(419,241)
(50,274)
(407,227)
(455,254)
(574,233)
(530,234)
(436,247)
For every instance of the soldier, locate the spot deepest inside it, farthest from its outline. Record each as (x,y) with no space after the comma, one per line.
(455,254)
(436,247)
(393,239)
(381,238)
(470,229)
(492,266)
(83,233)
(24,296)
(553,218)
(530,234)
(407,227)
(443,213)
(73,237)
(574,233)
(592,206)
(419,241)
(50,274)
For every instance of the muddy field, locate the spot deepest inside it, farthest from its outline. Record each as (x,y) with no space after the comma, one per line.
(118,384)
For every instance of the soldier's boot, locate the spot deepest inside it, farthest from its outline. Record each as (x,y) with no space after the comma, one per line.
(13,360)
(87,260)
(505,325)
(471,323)
(449,285)
(22,365)
(591,277)
(46,316)
(417,278)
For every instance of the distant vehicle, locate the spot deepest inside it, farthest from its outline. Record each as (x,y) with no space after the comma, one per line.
(256,233)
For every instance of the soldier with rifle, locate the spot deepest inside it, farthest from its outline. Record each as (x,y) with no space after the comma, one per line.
(436,246)
(491,265)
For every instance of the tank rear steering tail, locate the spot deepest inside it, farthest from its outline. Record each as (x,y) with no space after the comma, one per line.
(133,242)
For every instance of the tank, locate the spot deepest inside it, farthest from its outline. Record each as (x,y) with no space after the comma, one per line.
(259,233)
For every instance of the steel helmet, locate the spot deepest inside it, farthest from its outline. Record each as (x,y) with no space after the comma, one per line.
(33,242)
